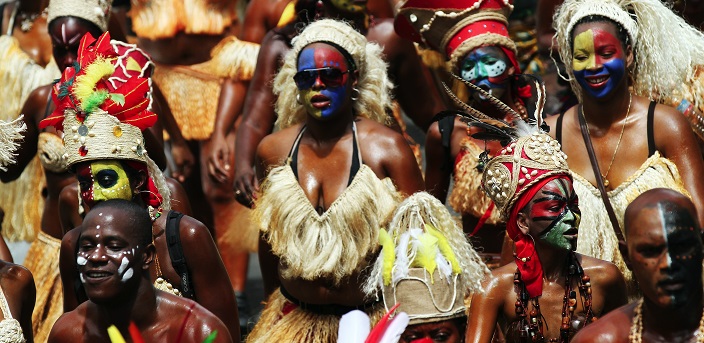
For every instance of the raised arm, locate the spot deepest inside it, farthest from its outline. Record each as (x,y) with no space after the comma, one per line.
(213,289)
(33,110)
(258,116)
(437,179)
(69,271)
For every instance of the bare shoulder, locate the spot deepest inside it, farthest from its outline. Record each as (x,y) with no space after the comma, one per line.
(500,279)
(16,274)
(274,148)
(611,328)
(372,132)
(194,232)
(601,272)
(199,322)
(70,326)
(671,123)
(566,119)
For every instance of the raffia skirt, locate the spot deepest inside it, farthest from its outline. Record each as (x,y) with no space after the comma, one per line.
(283,321)
(43,261)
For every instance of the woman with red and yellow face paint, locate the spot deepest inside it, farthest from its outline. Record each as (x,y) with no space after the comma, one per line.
(621,69)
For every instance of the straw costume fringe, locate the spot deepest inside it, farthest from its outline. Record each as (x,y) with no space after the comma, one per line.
(10,137)
(333,245)
(299,325)
(21,199)
(467,195)
(192,91)
(156,19)
(43,261)
(665,47)
(374,86)
(596,236)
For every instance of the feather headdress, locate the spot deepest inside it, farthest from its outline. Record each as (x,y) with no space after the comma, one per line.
(426,264)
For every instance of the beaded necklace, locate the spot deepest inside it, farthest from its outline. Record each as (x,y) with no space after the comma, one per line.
(531,324)
(635,335)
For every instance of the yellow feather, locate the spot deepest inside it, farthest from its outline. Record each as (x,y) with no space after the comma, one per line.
(445,248)
(425,255)
(94,72)
(389,255)
(115,335)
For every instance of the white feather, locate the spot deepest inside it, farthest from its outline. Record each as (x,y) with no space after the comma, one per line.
(354,327)
(395,329)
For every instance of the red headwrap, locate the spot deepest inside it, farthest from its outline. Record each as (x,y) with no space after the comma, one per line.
(526,258)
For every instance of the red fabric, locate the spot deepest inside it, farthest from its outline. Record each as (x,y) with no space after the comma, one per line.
(151,196)
(531,270)
(525,91)
(473,30)
(483,219)
(129,84)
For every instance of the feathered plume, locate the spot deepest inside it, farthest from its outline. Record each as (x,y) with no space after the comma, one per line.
(10,136)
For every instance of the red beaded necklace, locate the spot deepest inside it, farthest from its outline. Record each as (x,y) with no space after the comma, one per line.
(531,323)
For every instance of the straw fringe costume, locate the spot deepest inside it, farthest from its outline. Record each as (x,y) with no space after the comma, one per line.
(666,51)
(339,242)
(596,235)
(19,76)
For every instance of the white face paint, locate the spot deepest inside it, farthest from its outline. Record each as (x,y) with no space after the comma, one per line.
(123,265)
(81,261)
(128,275)
(83,278)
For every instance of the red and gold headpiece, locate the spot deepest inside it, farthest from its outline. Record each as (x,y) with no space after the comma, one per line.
(456,27)
(103,102)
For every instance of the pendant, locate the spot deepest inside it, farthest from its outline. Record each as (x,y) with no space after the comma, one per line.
(606,182)
(26,24)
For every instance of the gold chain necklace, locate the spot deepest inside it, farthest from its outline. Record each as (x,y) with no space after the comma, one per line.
(636,333)
(620,137)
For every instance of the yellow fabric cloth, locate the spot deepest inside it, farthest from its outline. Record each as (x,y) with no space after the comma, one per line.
(43,261)
(21,199)
(299,325)
(596,235)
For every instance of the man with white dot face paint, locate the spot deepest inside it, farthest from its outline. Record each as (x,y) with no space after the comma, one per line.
(113,257)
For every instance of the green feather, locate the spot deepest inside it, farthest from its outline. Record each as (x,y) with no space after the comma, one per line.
(211,337)
(94,101)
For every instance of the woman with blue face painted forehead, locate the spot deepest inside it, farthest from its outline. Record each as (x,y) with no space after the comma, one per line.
(331,176)
(623,58)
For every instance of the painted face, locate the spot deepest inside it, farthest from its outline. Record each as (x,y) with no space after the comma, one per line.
(107,255)
(103,180)
(554,214)
(354,6)
(66,34)
(322,80)
(665,250)
(489,68)
(445,331)
(598,59)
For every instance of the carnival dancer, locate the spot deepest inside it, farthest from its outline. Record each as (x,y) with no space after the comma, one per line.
(27,63)
(43,254)
(330,186)
(113,257)
(102,105)
(622,58)
(427,266)
(414,92)
(475,40)
(549,292)
(17,290)
(664,250)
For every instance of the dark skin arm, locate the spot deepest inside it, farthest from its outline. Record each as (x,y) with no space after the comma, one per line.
(676,141)
(68,208)
(399,163)
(33,108)
(414,92)
(69,272)
(182,155)
(260,17)
(614,327)
(486,307)
(232,96)
(20,292)
(612,284)
(437,181)
(258,116)
(213,289)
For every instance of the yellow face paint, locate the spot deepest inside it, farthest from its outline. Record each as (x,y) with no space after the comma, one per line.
(110,181)
(583,56)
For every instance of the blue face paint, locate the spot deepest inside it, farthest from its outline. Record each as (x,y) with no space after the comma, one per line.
(598,62)
(323,101)
(487,67)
